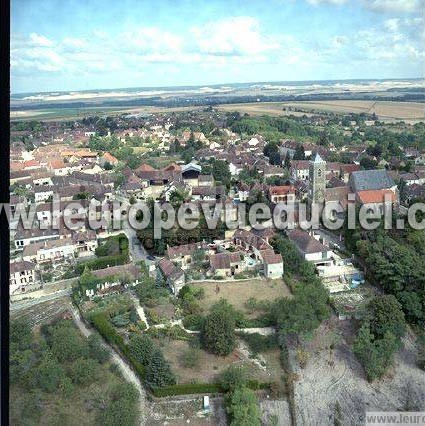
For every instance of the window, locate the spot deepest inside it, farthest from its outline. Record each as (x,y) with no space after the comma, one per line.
(319,173)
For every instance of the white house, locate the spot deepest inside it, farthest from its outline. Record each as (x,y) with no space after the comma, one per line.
(310,247)
(22,274)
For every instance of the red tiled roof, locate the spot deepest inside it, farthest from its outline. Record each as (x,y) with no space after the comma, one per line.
(376,196)
(57,164)
(281,190)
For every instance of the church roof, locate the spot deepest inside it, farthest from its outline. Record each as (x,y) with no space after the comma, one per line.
(318,158)
(364,180)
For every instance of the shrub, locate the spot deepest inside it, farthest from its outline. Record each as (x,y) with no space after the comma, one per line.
(233,377)
(141,348)
(158,372)
(84,371)
(122,410)
(218,329)
(193,322)
(49,373)
(258,343)
(96,350)
(121,320)
(186,389)
(243,408)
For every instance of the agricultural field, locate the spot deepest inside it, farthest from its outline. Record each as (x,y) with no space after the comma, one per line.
(385,110)
(237,293)
(63,114)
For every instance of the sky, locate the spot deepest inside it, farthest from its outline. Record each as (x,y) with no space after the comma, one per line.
(70,45)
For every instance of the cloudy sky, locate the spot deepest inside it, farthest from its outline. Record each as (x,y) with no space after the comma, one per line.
(99,44)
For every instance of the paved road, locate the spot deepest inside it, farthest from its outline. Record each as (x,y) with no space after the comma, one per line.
(137,251)
(126,371)
(16,306)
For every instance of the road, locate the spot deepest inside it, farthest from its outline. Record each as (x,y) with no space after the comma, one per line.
(137,251)
(16,306)
(125,369)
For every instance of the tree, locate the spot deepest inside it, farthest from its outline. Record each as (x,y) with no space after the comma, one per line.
(84,371)
(287,163)
(299,152)
(66,343)
(107,165)
(385,315)
(271,150)
(122,410)
(243,409)
(323,139)
(375,355)
(96,350)
(49,373)
(368,163)
(221,172)
(20,335)
(218,332)
(158,371)
(198,257)
(177,197)
(141,348)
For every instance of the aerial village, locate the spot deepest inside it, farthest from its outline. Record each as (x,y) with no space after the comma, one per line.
(176,158)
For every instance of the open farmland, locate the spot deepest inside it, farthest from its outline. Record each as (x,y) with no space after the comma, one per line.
(385,110)
(238,292)
(64,114)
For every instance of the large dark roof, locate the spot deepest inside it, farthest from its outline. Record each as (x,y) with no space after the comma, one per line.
(305,242)
(364,180)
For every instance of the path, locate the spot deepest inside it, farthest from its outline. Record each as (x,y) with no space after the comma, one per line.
(139,309)
(126,371)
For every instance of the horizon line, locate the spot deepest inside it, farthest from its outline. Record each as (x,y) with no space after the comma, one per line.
(218,85)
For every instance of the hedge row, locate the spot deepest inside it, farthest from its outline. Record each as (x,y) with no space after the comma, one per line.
(102,263)
(186,389)
(195,388)
(106,329)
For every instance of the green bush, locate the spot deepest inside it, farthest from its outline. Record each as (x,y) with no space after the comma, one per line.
(106,330)
(186,389)
(141,348)
(243,408)
(193,322)
(158,371)
(96,350)
(84,371)
(101,263)
(258,343)
(233,377)
(121,320)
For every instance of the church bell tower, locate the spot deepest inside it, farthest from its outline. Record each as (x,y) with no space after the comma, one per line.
(317,177)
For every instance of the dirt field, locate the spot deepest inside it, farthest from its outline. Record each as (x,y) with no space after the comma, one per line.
(58,114)
(210,366)
(42,312)
(383,109)
(329,379)
(238,292)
